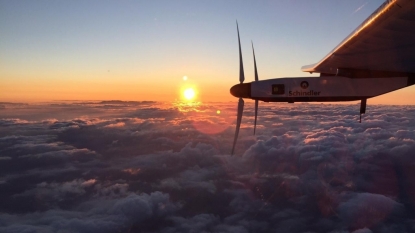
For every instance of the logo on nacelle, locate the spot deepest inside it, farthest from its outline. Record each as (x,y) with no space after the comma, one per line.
(304,85)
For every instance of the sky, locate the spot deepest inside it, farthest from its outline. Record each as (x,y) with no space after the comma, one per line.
(113,166)
(141,50)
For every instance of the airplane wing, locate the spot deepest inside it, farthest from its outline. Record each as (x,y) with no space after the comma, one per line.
(383,42)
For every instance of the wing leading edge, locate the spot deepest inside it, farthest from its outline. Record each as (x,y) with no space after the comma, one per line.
(383,42)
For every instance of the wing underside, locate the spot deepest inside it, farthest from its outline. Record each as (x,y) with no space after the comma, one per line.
(383,42)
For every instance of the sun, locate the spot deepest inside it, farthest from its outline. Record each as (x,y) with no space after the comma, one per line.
(189,94)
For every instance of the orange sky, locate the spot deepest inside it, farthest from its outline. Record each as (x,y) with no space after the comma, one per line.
(40,90)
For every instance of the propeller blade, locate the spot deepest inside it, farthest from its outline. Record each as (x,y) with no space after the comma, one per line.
(256,79)
(238,121)
(256,71)
(256,114)
(241,65)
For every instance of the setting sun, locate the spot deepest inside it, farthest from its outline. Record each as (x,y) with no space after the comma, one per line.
(189,93)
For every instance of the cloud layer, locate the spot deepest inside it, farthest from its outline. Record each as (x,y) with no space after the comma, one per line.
(155,167)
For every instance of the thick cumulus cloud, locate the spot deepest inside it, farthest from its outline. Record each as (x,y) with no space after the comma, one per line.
(116,166)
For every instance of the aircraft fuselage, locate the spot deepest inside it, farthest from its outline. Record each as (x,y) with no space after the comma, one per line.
(319,89)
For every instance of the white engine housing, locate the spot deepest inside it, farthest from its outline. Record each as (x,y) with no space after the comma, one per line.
(325,88)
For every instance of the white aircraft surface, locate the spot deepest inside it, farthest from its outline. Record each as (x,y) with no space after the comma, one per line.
(376,58)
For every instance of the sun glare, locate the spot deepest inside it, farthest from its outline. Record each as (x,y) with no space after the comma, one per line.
(189,94)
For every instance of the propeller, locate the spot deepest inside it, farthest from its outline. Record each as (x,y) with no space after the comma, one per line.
(241,101)
(256,80)
(241,64)
(242,90)
(238,121)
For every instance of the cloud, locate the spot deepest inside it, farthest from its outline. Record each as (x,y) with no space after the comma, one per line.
(155,167)
(364,210)
(115,125)
(106,216)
